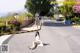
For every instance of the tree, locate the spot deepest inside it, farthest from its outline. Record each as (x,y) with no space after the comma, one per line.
(76,8)
(41,7)
(67,8)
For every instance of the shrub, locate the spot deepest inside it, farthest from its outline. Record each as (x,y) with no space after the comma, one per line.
(29,15)
(2,27)
(16,24)
(76,20)
(27,22)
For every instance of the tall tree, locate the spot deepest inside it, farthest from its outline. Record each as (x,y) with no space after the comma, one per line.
(67,8)
(76,7)
(41,7)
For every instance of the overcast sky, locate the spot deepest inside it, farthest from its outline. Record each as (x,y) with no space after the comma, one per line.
(11,5)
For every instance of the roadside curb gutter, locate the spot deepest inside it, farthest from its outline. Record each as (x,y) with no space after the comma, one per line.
(76,26)
(3,41)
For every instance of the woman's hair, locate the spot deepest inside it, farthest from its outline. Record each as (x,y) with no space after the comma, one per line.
(37,34)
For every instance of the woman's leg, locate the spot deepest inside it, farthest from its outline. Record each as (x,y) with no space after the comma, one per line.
(40,43)
(34,46)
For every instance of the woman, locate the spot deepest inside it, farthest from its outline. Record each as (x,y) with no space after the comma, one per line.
(37,41)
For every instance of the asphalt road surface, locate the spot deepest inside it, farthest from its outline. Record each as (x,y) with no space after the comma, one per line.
(59,37)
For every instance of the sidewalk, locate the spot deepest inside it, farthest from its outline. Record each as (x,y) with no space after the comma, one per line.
(35,27)
(31,29)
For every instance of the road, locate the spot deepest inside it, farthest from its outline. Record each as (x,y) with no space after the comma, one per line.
(60,39)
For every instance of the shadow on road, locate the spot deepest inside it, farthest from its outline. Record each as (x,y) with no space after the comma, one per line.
(52,24)
(46,44)
(7,40)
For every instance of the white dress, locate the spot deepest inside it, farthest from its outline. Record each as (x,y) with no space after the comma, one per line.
(38,41)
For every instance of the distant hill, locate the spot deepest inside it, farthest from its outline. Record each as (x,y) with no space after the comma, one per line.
(10,13)
(3,14)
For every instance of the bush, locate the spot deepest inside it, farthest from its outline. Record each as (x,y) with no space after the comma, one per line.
(13,24)
(16,24)
(76,20)
(29,15)
(2,27)
(5,29)
(27,22)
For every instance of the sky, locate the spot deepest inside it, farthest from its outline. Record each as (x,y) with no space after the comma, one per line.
(11,6)
(7,6)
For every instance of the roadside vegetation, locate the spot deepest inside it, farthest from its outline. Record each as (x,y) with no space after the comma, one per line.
(9,24)
(71,11)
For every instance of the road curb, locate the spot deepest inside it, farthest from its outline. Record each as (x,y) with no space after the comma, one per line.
(75,26)
(4,40)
